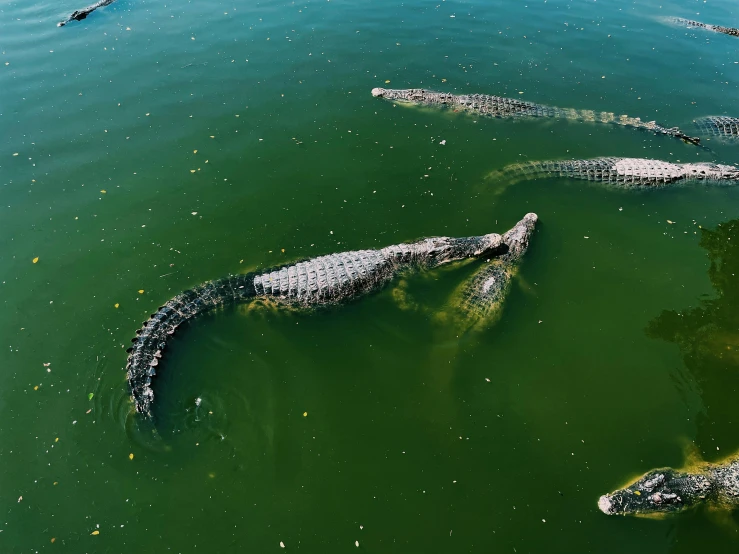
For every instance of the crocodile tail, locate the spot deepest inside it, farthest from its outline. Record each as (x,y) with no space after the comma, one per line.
(152,337)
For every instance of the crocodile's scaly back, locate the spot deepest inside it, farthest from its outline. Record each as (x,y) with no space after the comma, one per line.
(719,126)
(717,28)
(317,281)
(498,106)
(625,172)
(480,299)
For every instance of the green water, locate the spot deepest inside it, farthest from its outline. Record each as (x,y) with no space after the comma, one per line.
(415,440)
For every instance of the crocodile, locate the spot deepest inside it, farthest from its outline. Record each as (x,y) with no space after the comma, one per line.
(79,15)
(668,490)
(719,126)
(498,106)
(718,28)
(626,172)
(324,280)
(480,298)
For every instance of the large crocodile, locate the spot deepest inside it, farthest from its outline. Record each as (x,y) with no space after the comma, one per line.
(626,172)
(498,106)
(719,126)
(79,15)
(669,490)
(318,281)
(718,28)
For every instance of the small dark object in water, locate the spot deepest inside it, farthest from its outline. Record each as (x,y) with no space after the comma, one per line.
(79,15)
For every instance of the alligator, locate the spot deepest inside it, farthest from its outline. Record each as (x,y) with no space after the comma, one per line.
(718,28)
(626,172)
(497,106)
(719,126)
(79,15)
(324,280)
(480,298)
(668,490)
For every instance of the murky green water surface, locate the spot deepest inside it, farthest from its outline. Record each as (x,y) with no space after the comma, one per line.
(161,145)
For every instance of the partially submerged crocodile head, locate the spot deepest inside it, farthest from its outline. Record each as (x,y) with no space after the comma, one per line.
(413,95)
(439,250)
(659,491)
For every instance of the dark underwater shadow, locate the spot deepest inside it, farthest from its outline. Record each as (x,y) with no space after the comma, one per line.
(708,338)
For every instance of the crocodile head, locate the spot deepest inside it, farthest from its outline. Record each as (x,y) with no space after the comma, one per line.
(413,95)
(659,491)
(440,250)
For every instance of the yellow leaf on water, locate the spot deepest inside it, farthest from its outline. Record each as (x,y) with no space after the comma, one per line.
(141,291)
(95,532)
(35,388)
(56,439)
(130,456)
(194,151)
(283,250)
(192,171)
(212,136)
(670,222)
(53,540)
(56,483)
(116,305)
(35,260)
(387,81)
(305,414)
(103,191)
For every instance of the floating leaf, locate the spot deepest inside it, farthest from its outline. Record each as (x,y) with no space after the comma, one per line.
(141,291)
(116,305)
(35,388)
(193,170)
(95,532)
(670,222)
(90,395)
(194,151)
(35,260)
(130,456)
(305,414)
(53,540)
(103,191)
(387,81)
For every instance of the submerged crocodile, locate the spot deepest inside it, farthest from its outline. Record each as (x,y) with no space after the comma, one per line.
(318,281)
(719,126)
(670,490)
(498,106)
(718,28)
(79,15)
(626,172)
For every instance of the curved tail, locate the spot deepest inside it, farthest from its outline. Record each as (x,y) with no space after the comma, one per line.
(152,338)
